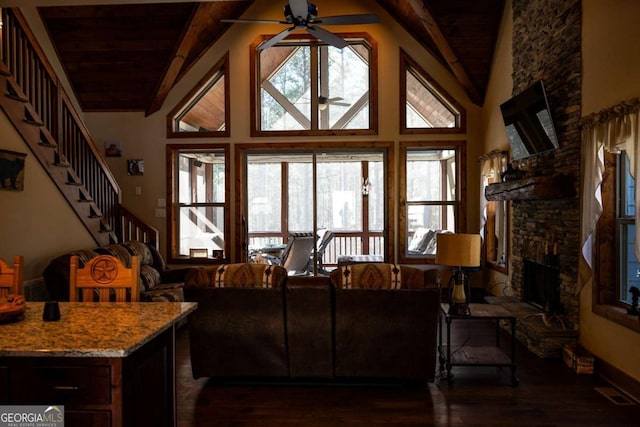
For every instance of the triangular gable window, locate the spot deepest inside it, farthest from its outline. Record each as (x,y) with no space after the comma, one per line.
(204,112)
(425,106)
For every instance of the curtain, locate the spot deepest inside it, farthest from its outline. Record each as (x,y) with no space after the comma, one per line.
(491,166)
(614,129)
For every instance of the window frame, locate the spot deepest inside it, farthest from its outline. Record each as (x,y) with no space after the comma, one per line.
(408,64)
(255,113)
(460,226)
(606,264)
(173,205)
(221,68)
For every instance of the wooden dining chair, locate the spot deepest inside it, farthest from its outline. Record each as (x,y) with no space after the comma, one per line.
(11,279)
(104,279)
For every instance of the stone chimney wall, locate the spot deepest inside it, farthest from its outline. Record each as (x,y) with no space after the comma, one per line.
(547,47)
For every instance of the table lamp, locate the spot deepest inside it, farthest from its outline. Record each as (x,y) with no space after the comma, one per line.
(458,251)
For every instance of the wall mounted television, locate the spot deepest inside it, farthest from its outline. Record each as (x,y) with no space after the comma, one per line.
(528,122)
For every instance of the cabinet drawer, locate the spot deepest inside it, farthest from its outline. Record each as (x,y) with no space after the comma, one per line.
(62,385)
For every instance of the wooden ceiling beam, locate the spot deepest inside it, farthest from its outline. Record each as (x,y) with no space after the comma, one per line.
(426,17)
(203,18)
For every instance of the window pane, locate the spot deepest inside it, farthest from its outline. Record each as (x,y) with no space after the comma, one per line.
(276,117)
(376,196)
(629,186)
(433,217)
(300,200)
(424,109)
(431,175)
(194,168)
(206,112)
(201,227)
(347,77)
(630,275)
(340,201)
(264,197)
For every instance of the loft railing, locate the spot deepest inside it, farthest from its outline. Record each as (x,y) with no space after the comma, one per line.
(34,76)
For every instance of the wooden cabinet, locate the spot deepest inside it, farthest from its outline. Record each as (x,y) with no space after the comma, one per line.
(136,390)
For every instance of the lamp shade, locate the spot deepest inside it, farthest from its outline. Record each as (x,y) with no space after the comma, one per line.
(458,250)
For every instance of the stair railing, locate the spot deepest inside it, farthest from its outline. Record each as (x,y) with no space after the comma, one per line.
(36,79)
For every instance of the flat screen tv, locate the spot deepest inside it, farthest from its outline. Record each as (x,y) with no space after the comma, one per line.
(528,122)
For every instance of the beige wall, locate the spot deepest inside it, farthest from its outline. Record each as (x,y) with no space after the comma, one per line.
(37,222)
(493,133)
(611,66)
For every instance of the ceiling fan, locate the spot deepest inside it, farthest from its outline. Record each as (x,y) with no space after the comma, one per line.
(324,102)
(302,15)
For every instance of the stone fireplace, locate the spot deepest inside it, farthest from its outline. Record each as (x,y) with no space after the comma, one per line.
(547,47)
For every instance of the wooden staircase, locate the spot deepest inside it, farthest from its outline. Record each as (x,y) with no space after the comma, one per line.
(38,107)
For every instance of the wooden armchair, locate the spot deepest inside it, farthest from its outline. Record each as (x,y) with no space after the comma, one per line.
(104,279)
(11,279)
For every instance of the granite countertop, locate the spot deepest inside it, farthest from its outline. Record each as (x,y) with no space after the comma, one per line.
(89,329)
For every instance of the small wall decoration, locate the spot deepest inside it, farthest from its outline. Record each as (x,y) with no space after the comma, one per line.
(112,149)
(12,170)
(135,167)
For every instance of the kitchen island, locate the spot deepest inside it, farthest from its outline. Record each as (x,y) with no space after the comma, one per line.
(109,364)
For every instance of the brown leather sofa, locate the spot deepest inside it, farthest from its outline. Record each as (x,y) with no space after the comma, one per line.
(365,321)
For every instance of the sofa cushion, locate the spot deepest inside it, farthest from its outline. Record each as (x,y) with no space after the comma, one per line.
(124,251)
(165,292)
(149,278)
(240,275)
(377,276)
(157,259)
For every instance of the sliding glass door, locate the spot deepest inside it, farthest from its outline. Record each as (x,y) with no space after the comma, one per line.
(312,191)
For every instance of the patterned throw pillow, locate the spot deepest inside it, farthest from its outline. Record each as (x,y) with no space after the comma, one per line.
(238,275)
(142,250)
(377,276)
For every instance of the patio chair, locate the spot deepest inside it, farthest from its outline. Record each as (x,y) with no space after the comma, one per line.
(325,236)
(295,257)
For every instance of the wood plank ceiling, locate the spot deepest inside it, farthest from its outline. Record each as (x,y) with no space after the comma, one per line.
(127,57)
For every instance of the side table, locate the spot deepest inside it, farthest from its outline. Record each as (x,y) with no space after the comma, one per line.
(477,355)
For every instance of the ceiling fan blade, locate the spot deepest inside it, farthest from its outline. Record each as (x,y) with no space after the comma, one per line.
(327,37)
(348,20)
(334,99)
(275,39)
(299,8)
(253,21)
(341,104)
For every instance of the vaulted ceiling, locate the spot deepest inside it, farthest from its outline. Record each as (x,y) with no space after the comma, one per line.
(128,56)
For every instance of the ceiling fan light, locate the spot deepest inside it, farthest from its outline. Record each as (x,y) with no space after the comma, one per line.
(322,106)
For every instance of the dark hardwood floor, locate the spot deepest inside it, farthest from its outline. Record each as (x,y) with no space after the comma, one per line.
(549,394)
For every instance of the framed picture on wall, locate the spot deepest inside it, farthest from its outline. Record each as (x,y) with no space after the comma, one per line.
(12,170)
(135,167)
(112,149)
